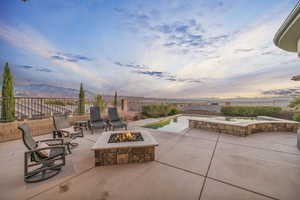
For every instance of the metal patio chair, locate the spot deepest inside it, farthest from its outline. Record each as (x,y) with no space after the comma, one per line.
(95,119)
(63,129)
(38,166)
(114,119)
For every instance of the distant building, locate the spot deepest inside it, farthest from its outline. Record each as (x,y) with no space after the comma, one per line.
(282,102)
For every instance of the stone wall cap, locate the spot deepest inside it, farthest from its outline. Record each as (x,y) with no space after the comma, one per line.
(244,124)
(102,141)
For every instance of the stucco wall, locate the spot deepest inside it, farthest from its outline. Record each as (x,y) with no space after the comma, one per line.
(9,131)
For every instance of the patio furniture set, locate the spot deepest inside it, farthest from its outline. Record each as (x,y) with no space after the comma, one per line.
(45,158)
(113,121)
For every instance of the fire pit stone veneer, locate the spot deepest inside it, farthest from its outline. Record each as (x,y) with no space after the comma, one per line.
(122,152)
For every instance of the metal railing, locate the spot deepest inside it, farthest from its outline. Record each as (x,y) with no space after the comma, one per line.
(40,107)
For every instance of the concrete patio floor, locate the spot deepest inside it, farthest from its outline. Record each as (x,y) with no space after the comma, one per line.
(196,164)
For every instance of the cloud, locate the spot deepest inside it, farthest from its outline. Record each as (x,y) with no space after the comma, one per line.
(166,76)
(70,57)
(29,67)
(26,38)
(164,28)
(57,58)
(135,66)
(152,73)
(146,70)
(182,28)
(44,70)
(283,92)
(243,50)
(269,53)
(172,49)
(187,34)
(25,66)
(169,44)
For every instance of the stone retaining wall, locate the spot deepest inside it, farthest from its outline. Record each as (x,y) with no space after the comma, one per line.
(245,130)
(124,155)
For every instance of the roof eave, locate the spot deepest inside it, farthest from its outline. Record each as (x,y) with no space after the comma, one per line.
(286,24)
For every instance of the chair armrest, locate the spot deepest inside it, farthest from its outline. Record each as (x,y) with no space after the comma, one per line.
(77,127)
(45,148)
(58,140)
(62,133)
(46,159)
(109,123)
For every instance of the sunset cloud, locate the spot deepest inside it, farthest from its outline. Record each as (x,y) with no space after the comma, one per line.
(26,38)
(188,49)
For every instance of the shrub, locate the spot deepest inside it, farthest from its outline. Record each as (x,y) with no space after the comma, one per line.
(159,110)
(295,104)
(174,111)
(59,102)
(250,111)
(287,114)
(138,117)
(158,124)
(99,101)
(296,117)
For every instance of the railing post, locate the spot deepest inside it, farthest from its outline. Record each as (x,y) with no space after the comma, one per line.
(41,106)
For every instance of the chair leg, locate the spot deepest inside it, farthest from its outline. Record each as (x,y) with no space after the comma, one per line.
(81,131)
(44,172)
(68,148)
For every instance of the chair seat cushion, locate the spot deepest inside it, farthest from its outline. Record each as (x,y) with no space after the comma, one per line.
(45,152)
(99,124)
(118,123)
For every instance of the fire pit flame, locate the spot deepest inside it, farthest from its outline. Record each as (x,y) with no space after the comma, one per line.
(125,137)
(130,135)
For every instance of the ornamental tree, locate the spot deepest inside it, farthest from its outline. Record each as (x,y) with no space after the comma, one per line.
(81,105)
(115,103)
(8,99)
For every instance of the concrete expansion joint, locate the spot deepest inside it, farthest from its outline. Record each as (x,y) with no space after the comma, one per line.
(210,162)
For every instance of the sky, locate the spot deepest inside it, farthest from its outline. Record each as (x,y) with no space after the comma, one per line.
(166,48)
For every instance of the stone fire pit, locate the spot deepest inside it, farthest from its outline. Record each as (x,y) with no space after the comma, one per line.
(122,147)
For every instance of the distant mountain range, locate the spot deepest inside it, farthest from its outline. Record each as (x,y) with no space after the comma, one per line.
(30,82)
(46,90)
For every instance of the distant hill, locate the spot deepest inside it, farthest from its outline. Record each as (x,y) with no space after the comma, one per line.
(46,90)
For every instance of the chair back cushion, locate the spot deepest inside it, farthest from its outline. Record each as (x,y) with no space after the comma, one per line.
(28,140)
(113,114)
(60,122)
(95,114)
